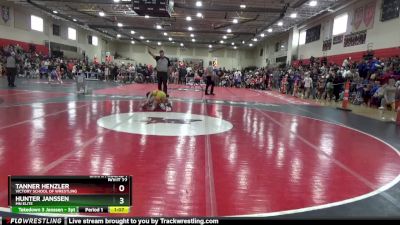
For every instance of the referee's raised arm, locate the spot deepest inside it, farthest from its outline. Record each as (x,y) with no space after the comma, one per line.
(151,54)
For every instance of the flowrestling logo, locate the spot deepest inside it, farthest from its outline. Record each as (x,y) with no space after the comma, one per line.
(164,124)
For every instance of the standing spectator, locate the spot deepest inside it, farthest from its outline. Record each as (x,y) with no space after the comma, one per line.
(163,65)
(209,77)
(182,74)
(337,86)
(11,69)
(307,86)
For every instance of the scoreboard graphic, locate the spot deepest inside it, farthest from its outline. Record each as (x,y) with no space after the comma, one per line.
(154,8)
(65,194)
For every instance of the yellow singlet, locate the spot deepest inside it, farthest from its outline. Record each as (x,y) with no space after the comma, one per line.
(158,95)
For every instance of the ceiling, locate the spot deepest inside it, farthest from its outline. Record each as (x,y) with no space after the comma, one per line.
(217,18)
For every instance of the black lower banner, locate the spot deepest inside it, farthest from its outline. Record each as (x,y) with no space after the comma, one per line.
(153,221)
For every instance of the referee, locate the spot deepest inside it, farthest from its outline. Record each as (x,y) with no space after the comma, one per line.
(162,67)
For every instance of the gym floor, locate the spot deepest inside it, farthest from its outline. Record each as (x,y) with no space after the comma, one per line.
(238,153)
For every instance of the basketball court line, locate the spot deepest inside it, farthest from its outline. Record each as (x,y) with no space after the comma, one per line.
(341,165)
(41,117)
(211,199)
(67,155)
(313,208)
(21,92)
(380,191)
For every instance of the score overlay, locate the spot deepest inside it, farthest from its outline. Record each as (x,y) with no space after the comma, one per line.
(70,194)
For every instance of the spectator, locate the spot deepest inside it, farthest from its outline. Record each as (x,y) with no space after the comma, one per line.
(11,67)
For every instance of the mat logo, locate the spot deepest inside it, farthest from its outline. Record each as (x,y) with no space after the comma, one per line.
(151,120)
(164,124)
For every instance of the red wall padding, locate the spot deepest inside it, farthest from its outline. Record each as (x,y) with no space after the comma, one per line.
(39,48)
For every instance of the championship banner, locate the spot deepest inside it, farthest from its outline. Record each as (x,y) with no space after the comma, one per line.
(6,15)
(364,17)
(337,39)
(327,45)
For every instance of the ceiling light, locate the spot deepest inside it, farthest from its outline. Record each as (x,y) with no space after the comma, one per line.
(255,39)
(173,42)
(190,28)
(221,41)
(141,37)
(101,13)
(229,30)
(199,14)
(243,42)
(170,38)
(235,21)
(158,26)
(234,47)
(193,40)
(132,42)
(232,43)
(118,35)
(270,30)
(165,34)
(146,16)
(280,23)
(282,46)
(251,45)
(242,6)
(181,44)
(191,35)
(147,41)
(224,37)
(188,18)
(210,46)
(74,20)
(55,12)
(119,24)
(199,3)
(262,35)
(132,32)
(293,15)
(116,1)
(313,3)
(158,43)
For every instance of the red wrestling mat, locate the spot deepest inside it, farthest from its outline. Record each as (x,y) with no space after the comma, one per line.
(267,162)
(11,97)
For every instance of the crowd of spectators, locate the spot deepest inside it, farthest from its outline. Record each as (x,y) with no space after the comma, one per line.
(374,82)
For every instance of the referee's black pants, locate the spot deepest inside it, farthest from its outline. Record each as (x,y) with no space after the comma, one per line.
(209,82)
(11,73)
(162,78)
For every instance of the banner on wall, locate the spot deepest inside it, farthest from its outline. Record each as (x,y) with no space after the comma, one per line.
(364,16)
(327,45)
(354,39)
(6,15)
(337,39)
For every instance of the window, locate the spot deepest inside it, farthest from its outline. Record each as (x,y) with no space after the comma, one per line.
(56,30)
(340,24)
(71,33)
(89,39)
(36,23)
(95,41)
(277,46)
(302,38)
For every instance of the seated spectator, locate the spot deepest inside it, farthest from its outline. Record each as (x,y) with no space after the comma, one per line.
(389,95)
